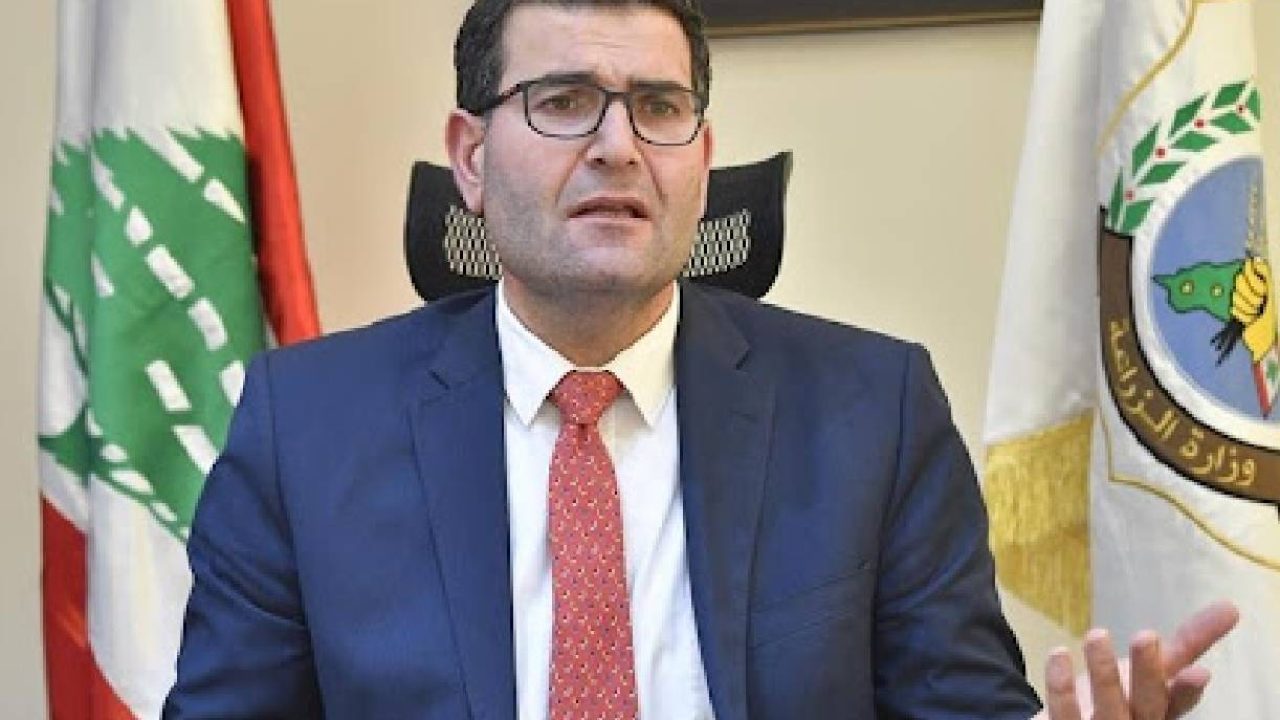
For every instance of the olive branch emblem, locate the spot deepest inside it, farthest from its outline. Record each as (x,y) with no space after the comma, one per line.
(1234,109)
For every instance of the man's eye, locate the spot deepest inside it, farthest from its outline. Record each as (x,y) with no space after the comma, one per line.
(561,102)
(660,106)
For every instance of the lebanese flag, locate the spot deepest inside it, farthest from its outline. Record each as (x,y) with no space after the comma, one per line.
(173,223)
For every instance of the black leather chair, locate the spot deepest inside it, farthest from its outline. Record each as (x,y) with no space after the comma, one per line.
(739,243)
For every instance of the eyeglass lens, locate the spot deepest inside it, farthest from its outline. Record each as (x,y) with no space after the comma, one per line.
(567,109)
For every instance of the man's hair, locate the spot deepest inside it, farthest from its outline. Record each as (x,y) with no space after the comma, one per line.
(478,51)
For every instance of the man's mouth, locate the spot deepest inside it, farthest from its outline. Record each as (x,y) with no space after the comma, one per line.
(614,208)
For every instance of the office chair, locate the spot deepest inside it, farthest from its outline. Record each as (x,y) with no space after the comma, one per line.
(739,243)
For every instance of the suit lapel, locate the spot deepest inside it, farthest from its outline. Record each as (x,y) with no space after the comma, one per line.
(458,433)
(725,413)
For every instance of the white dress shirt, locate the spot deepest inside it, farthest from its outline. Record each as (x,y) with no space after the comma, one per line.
(640,433)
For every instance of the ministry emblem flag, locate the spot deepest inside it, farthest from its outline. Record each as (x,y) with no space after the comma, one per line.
(1133,433)
(167,206)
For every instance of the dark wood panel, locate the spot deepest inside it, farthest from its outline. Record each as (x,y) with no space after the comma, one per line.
(729,17)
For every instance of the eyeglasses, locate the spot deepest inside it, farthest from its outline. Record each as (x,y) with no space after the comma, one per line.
(660,113)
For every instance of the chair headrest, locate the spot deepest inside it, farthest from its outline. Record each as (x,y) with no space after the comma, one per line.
(739,243)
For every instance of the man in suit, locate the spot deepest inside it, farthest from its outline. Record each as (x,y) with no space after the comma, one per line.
(595,492)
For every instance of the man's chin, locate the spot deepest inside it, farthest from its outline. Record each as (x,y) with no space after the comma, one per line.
(610,240)
(610,284)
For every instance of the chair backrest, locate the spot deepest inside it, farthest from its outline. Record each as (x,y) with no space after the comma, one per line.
(739,243)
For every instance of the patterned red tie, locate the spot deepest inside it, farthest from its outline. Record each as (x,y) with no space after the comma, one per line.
(592,663)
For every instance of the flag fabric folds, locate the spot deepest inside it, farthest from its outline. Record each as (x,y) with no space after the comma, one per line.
(1133,438)
(284,275)
(151,309)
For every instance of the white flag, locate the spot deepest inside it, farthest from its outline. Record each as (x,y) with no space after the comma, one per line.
(1133,432)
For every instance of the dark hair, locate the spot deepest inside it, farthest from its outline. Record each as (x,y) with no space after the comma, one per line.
(478,58)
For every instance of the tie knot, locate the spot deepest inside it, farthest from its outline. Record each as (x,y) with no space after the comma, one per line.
(582,397)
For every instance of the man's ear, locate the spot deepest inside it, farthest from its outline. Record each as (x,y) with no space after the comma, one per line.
(464,141)
(707,139)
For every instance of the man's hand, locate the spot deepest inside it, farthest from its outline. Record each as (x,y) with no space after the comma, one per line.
(1155,683)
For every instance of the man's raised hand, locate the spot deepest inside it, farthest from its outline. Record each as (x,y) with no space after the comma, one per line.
(1154,683)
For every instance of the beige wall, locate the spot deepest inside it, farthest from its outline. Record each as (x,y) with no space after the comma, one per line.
(906,146)
(26,114)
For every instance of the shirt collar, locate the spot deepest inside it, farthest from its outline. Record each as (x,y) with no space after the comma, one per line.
(531,368)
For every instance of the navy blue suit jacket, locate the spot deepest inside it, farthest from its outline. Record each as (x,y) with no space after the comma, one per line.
(350,550)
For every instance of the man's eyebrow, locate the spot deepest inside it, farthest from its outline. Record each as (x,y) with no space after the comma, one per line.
(568,77)
(635,84)
(656,85)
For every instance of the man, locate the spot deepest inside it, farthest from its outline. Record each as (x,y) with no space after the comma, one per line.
(773,518)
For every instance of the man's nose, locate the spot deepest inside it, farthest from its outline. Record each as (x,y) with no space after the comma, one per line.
(615,142)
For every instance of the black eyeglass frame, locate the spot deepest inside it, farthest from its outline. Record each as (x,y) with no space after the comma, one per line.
(522,88)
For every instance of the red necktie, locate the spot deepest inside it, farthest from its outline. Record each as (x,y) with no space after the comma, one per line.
(592,663)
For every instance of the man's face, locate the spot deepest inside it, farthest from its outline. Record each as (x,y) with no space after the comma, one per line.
(608,214)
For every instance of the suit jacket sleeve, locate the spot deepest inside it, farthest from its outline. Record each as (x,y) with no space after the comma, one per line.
(245,650)
(943,648)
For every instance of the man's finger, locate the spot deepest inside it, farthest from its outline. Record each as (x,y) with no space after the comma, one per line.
(1109,702)
(1198,634)
(1060,686)
(1149,693)
(1185,690)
